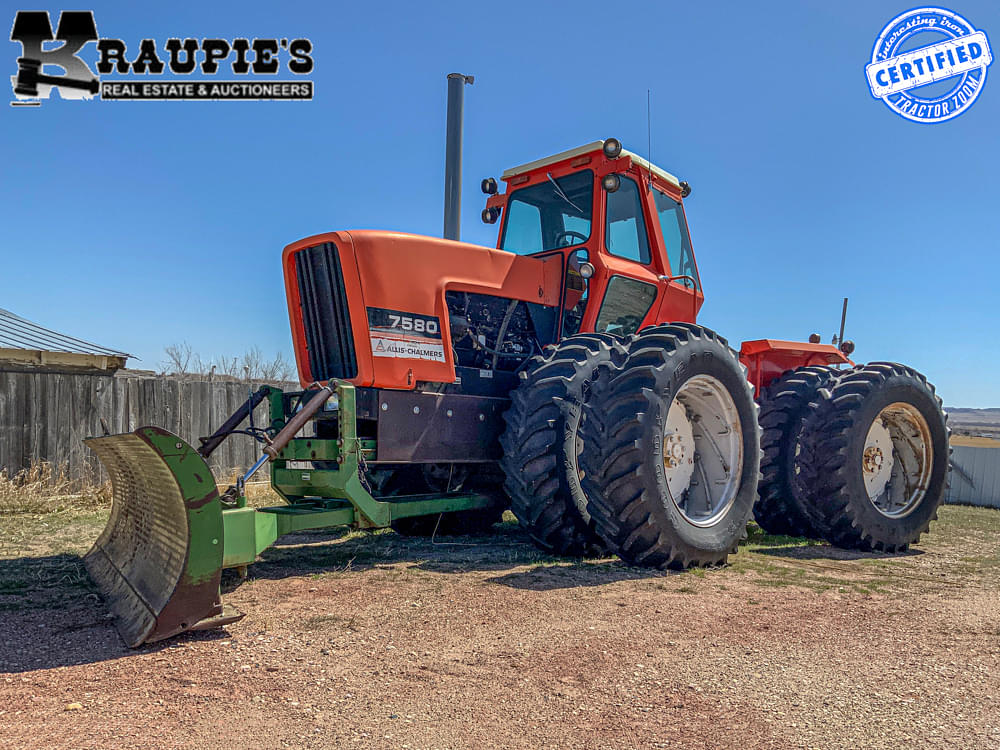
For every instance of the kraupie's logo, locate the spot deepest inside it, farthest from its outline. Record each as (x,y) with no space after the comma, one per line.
(53,62)
(929,65)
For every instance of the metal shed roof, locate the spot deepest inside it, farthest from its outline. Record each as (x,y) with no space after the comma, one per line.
(18,333)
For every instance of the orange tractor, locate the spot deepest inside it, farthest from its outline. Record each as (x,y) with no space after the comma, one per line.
(562,374)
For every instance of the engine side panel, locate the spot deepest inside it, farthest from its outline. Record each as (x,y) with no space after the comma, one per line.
(395,287)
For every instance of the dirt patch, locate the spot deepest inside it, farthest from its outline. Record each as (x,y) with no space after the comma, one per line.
(374,640)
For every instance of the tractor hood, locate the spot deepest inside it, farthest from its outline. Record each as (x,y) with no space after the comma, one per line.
(369,306)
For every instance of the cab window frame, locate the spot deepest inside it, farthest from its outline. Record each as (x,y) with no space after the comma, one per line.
(589,212)
(609,288)
(642,231)
(682,253)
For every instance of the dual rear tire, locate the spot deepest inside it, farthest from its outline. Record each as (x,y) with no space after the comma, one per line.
(647,448)
(783,506)
(858,457)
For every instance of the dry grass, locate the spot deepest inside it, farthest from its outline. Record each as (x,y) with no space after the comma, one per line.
(44,488)
(260,495)
(975,441)
(259,492)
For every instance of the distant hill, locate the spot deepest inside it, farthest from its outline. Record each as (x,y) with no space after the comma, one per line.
(984,422)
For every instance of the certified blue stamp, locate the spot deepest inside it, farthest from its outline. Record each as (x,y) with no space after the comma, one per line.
(929,65)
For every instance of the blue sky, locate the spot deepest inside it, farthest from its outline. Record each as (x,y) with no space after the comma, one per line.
(141,224)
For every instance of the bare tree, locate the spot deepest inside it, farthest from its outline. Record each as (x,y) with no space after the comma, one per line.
(178,359)
(256,367)
(251,366)
(229,366)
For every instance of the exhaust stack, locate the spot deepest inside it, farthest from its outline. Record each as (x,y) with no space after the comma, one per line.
(453,155)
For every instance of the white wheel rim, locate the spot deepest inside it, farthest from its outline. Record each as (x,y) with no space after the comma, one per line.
(897,459)
(877,459)
(702,450)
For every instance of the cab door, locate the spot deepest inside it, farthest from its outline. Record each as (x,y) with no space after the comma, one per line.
(682,296)
(627,288)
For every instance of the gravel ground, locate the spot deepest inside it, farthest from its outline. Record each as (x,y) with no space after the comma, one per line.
(376,641)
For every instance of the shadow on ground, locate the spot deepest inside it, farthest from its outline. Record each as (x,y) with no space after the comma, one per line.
(51,615)
(801,548)
(311,553)
(829,552)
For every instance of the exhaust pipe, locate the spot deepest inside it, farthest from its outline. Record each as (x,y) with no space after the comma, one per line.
(453,155)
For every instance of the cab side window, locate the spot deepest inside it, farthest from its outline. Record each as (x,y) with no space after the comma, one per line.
(625,306)
(675,237)
(626,232)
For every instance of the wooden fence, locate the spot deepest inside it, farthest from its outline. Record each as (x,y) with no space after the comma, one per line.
(44,416)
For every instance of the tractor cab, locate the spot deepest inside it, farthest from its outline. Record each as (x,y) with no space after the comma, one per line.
(619,224)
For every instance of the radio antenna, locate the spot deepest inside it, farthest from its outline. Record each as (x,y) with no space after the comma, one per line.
(649,138)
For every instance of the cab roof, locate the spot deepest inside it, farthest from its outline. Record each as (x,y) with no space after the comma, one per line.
(579,151)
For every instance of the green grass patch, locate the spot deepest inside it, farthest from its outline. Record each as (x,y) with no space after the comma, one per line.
(778,561)
(757,538)
(43,534)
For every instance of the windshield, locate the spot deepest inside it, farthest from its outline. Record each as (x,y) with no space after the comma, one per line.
(552,214)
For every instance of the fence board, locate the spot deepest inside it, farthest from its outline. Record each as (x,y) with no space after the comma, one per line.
(44,416)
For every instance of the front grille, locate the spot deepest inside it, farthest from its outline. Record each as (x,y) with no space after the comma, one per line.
(325,314)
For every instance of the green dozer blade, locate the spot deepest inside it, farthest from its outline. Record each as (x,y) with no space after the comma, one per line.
(158,562)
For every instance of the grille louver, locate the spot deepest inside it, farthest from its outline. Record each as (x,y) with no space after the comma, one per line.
(325,313)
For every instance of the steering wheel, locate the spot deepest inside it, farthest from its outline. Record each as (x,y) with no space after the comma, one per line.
(567,235)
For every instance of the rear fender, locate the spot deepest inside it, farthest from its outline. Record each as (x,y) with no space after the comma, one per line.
(767,359)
